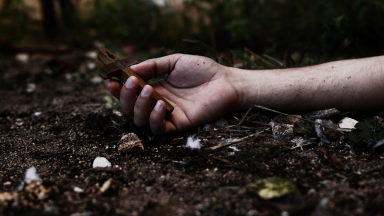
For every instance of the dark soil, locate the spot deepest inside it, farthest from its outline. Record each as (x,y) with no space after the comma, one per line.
(55,128)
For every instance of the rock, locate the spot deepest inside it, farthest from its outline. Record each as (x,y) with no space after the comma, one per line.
(5,197)
(101,162)
(348,123)
(332,135)
(94,120)
(31,175)
(78,190)
(129,143)
(22,57)
(117,117)
(273,187)
(91,54)
(282,131)
(31,87)
(37,191)
(96,80)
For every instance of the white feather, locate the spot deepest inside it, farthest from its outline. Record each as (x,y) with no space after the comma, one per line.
(193,143)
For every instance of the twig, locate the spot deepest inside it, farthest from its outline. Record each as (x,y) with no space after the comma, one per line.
(257,56)
(245,116)
(268,109)
(271,58)
(309,143)
(239,140)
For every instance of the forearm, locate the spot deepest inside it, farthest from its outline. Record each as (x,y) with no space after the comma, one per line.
(346,85)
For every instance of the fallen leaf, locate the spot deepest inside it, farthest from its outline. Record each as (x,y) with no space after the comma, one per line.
(332,158)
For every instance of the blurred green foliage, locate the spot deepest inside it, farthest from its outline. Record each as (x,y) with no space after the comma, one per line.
(318,30)
(15,21)
(137,22)
(297,32)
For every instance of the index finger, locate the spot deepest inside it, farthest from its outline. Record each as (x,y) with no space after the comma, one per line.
(156,67)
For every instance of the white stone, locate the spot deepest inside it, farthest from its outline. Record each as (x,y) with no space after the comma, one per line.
(101,162)
(91,54)
(96,80)
(22,57)
(30,87)
(78,190)
(31,175)
(347,123)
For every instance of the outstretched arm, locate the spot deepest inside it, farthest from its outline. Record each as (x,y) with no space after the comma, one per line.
(202,90)
(356,84)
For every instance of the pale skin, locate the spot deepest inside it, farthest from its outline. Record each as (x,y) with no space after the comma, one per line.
(202,90)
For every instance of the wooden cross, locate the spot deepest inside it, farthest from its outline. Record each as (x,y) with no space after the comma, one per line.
(114,67)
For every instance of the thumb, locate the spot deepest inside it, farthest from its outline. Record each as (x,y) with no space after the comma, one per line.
(156,67)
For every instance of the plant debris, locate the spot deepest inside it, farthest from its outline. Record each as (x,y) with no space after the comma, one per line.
(272,188)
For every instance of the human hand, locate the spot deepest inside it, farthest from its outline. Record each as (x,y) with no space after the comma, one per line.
(200,89)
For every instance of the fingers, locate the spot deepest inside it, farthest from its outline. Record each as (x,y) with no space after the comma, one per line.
(157,120)
(156,67)
(142,108)
(115,88)
(128,95)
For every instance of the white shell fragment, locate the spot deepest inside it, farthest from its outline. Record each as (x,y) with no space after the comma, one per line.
(347,123)
(130,142)
(101,162)
(282,131)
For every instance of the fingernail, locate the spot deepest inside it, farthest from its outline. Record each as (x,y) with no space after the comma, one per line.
(158,106)
(145,92)
(129,83)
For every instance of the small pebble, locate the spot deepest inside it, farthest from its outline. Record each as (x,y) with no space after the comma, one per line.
(78,190)
(101,162)
(347,123)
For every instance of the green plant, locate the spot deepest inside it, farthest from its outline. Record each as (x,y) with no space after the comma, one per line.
(367,130)
(14,21)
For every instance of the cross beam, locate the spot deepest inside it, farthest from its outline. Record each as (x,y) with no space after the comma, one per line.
(114,67)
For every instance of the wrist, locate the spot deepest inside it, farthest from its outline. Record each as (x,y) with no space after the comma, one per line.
(246,87)
(262,87)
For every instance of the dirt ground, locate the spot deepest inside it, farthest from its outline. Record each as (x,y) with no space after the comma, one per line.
(58,119)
